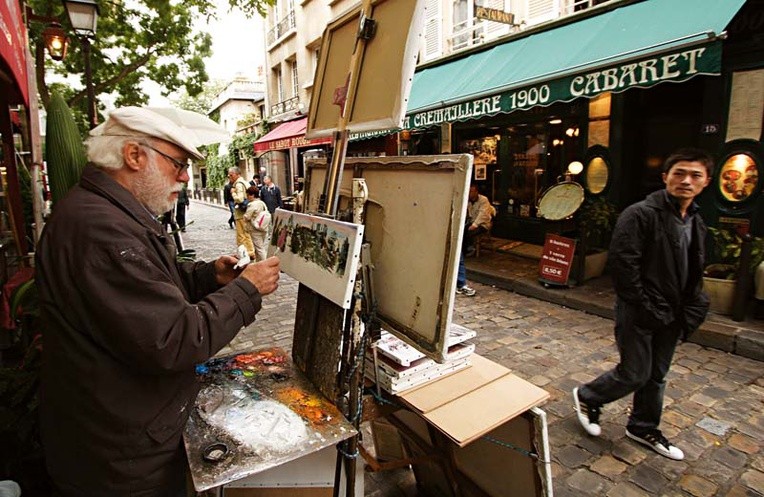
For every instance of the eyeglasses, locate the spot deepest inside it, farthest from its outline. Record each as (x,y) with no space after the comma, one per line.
(179,165)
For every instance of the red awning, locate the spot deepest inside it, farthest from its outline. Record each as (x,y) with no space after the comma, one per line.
(13,45)
(290,134)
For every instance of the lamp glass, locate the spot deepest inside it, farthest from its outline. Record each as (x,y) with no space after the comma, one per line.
(55,41)
(575,167)
(83,14)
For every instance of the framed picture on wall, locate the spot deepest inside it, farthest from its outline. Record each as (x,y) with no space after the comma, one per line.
(480,172)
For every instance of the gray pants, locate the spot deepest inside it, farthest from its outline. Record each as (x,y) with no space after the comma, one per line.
(645,360)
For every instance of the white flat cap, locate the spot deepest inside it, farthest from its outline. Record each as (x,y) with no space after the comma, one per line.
(188,130)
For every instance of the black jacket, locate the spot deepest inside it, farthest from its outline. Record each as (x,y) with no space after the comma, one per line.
(643,263)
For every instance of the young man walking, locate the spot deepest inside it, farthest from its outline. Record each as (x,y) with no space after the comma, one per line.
(656,259)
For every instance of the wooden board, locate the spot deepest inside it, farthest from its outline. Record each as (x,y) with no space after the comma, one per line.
(467,418)
(317,340)
(440,392)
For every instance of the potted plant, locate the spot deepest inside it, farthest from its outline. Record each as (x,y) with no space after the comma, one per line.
(596,221)
(719,278)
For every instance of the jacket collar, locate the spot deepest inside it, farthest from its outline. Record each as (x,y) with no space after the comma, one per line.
(662,200)
(95,180)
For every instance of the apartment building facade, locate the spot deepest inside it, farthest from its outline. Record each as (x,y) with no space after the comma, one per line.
(530,86)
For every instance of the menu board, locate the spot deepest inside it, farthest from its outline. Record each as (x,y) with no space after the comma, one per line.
(746,105)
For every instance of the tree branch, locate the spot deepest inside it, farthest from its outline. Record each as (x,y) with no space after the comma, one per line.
(112,81)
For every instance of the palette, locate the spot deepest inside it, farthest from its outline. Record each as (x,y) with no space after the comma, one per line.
(256,411)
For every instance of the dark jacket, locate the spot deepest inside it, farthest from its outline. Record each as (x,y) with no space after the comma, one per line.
(643,263)
(227,195)
(271,196)
(125,325)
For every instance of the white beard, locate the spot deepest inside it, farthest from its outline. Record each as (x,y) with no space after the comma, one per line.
(153,190)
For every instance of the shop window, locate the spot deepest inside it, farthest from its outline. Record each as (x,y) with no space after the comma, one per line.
(738,178)
(597,175)
(529,161)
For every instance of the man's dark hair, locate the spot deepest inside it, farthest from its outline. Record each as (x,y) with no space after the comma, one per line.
(690,155)
(252,190)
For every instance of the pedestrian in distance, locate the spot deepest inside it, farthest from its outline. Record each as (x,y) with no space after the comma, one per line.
(239,193)
(228,199)
(656,259)
(181,206)
(271,195)
(258,222)
(123,338)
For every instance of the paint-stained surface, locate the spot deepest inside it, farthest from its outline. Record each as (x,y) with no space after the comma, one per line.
(265,413)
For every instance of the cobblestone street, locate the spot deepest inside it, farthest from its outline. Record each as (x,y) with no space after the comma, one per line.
(714,405)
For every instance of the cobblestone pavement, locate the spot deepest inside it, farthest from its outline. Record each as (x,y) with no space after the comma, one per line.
(714,406)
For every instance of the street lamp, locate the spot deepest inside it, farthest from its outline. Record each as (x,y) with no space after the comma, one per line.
(83,15)
(55,41)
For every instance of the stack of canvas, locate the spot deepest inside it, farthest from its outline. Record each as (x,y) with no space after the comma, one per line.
(401,367)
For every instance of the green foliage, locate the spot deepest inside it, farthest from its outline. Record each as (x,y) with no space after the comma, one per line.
(65,152)
(728,245)
(596,220)
(217,167)
(244,144)
(139,40)
(201,102)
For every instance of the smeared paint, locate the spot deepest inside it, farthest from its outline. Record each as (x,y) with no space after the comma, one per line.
(265,412)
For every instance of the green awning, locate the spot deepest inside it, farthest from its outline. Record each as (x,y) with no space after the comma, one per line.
(636,45)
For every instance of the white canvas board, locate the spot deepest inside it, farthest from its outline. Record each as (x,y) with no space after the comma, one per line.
(414,222)
(320,253)
(404,354)
(400,385)
(396,370)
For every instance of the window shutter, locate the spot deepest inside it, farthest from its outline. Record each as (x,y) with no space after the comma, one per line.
(542,10)
(433,30)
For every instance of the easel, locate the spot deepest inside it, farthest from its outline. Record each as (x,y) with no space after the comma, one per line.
(349,382)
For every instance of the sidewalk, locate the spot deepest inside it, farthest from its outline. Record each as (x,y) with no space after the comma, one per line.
(519,274)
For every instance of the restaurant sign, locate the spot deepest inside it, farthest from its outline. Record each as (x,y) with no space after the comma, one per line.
(494,15)
(676,66)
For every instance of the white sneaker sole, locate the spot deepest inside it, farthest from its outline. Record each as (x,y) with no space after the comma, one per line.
(592,429)
(672,452)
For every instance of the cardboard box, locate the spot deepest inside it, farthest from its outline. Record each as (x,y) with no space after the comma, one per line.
(469,403)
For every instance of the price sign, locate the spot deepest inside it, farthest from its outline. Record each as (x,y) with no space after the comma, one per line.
(556,259)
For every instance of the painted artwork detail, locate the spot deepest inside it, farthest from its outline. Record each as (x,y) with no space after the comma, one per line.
(318,252)
(259,412)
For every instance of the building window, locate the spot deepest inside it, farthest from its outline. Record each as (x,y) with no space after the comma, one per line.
(295,78)
(279,84)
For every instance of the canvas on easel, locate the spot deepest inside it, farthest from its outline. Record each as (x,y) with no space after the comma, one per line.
(384,75)
(414,221)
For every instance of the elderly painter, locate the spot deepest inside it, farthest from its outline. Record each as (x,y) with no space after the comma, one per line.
(125,322)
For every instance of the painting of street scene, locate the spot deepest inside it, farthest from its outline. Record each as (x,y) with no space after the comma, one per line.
(321,253)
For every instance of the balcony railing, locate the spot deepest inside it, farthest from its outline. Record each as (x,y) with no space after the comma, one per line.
(283,27)
(285,106)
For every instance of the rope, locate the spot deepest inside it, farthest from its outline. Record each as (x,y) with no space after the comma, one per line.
(526,453)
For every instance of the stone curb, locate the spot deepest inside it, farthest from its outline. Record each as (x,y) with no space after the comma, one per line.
(733,339)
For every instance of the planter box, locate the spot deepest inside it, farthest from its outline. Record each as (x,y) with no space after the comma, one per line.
(720,292)
(594,265)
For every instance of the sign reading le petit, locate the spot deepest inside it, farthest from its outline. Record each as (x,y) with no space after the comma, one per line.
(494,15)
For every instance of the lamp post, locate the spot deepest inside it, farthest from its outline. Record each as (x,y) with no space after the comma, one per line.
(83,15)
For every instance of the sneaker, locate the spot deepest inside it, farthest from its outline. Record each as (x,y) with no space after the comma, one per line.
(656,441)
(588,416)
(465,290)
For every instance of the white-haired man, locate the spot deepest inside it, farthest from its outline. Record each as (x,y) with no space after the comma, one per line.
(125,322)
